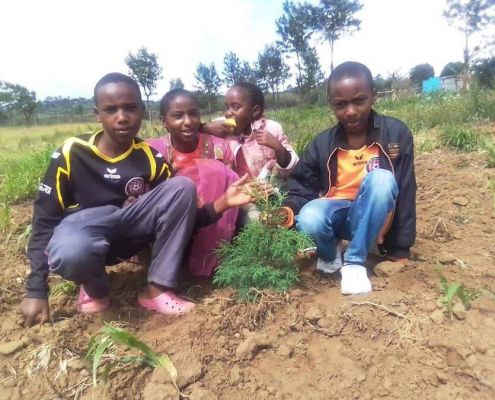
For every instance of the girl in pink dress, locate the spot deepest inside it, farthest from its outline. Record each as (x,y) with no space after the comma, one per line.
(204,159)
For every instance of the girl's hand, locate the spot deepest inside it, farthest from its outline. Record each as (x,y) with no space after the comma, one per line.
(217,128)
(31,309)
(267,139)
(240,193)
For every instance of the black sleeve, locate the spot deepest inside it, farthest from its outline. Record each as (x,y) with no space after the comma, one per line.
(53,196)
(402,233)
(304,183)
(205,216)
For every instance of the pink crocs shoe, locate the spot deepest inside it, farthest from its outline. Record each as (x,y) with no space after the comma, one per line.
(167,303)
(88,305)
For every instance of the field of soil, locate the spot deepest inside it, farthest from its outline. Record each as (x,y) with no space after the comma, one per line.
(311,343)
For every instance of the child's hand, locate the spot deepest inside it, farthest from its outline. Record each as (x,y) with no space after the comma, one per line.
(218,129)
(130,200)
(31,308)
(240,193)
(267,139)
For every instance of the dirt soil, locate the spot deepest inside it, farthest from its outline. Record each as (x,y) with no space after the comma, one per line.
(311,343)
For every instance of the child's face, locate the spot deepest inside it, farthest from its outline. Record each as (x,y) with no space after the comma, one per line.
(182,120)
(120,110)
(351,99)
(238,106)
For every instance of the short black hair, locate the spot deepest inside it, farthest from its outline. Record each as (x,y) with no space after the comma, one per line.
(254,92)
(116,77)
(171,96)
(350,69)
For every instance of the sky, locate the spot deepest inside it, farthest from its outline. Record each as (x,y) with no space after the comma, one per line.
(62,48)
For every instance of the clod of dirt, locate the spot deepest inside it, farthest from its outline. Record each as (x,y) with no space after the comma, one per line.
(189,368)
(285,351)
(387,268)
(437,316)
(460,201)
(160,386)
(313,314)
(200,393)
(8,348)
(250,346)
(459,311)
(441,378)
(446,258)
(235,375)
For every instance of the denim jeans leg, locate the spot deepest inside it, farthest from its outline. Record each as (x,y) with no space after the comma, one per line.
(324,221)
(368,213)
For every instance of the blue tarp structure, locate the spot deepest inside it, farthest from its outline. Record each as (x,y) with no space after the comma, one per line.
(432,85)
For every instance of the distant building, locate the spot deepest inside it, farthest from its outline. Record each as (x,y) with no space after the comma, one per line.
(451,83)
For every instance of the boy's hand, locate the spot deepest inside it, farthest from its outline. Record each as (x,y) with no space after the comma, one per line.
(31,308)
(130,200)
(267,139)
(218,129)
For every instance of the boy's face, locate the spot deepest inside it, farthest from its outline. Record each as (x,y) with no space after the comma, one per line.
(351,99)
(182,120)
(238,106)
(120,110)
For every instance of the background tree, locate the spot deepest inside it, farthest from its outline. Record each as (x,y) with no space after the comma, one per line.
(144,68)
(236,70)
(382,84)
(421,72)
(176,84)
(272,70)
(78,111)
(19,98)
(312,75)
(469,16)
(332,19)
(293,29)
(208,82)
(484,71)
(452,68)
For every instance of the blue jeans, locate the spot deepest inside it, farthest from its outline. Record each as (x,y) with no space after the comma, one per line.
(328,221)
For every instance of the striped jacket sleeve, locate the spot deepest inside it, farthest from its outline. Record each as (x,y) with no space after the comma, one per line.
(53,197)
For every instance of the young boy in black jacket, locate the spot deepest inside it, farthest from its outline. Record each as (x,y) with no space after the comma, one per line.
(355,181)
(104,197)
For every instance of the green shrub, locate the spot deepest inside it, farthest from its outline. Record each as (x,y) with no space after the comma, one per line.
(459,138)
(262,256)
(489,147)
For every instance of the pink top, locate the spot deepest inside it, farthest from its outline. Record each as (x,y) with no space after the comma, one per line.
(258,156)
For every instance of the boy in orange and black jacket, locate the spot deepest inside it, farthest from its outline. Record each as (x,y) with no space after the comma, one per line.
(355,181)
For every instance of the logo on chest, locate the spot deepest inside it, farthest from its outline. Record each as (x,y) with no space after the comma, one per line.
(373,163)
(135,187)
(112,174)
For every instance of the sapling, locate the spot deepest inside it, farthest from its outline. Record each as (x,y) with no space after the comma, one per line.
(262,256)
(450,290)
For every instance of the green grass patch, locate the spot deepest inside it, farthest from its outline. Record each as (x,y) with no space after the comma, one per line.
(102,348)
(460,137)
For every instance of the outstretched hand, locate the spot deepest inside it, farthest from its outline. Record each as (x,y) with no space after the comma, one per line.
(242,192)
(32,308)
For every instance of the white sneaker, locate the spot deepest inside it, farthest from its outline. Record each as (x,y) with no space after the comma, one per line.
(354,280)
(330,267)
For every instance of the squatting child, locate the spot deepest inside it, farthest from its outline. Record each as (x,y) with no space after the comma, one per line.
(95,208)
(356,182)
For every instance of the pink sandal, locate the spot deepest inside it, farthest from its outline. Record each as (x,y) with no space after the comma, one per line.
(88,305)
(167,303)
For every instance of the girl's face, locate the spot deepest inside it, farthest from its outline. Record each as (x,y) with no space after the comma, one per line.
(182,120)
(238,106)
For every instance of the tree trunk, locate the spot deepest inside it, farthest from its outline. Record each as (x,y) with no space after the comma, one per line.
(149,109)
(299,79)
(465,70)
(331,56)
